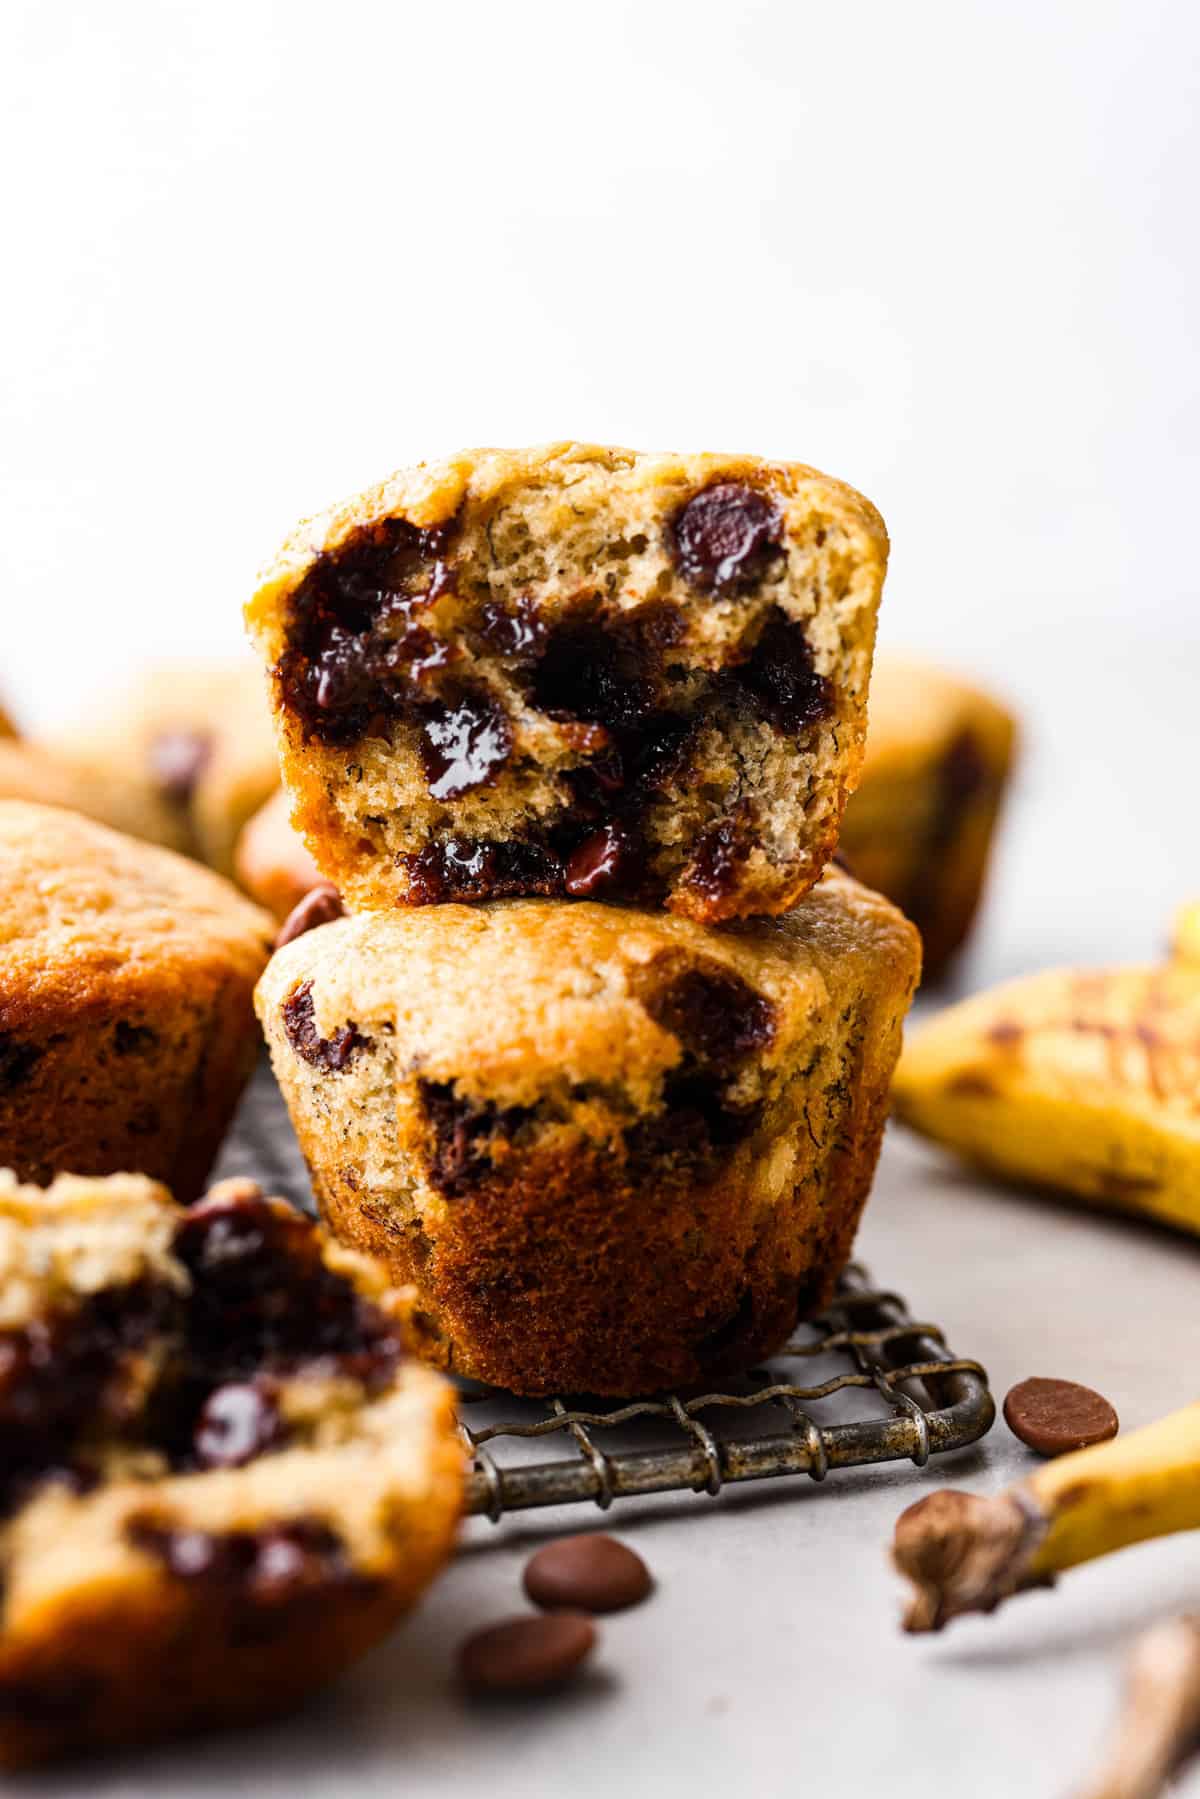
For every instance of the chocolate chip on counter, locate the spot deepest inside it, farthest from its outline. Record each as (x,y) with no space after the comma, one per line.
(320,905)
(177,760)
(1056,1416)
(526,1655)
(594,1573)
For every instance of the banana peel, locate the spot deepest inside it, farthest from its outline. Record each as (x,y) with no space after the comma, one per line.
(966,1552)
(1082,1080)
(1185,937)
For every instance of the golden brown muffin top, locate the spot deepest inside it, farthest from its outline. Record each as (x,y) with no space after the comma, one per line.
(918,710)
(48,777)
(508,998)
(477,482)
(79,901)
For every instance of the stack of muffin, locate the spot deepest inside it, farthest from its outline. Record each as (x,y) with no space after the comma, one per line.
(598,1060)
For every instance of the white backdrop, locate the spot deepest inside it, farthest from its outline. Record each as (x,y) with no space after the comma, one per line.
(261,253)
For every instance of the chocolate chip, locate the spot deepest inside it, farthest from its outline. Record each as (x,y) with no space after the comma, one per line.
(718,858)
(464,744)
(592,1573)
(526,1655)
(177,760)
(781,678)
(269,1566)
(133,1039)
(17,1061)
(463,1131)
(726,537)
(332,1053)
(1056,1416)
(604,860)
(237,1422)
(716,1015)
(467,868)
(322,904)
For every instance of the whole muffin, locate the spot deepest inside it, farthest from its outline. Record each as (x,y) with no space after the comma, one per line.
(920,828)
(576,671)
(126,1021)
(614,1150)
(272,862)
(51,777)
(199,735)
(221,1482)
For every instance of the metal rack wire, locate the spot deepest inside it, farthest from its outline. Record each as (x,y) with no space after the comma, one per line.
(862,1383)
(920,1401)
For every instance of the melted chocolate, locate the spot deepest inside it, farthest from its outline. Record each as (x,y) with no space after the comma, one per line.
(463,1131)
(331,1053)
(464,744)
(727,538)
(781,678)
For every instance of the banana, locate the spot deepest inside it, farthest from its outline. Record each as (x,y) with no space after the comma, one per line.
(1160,1720)
(1084,1080)
(964,1552)
(1185,937)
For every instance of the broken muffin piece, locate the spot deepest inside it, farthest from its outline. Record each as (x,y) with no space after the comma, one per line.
(938,759)
(271,862)
(576,671)
(614,1150)
(221,1482)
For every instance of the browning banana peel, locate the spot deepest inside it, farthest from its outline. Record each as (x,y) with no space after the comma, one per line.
(1185,938)
(965,1552)
(1088,1081)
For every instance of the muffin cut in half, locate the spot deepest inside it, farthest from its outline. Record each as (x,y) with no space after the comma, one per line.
(614,1150)
(938,759)
(576,671)
(127,1026)
(221,1484)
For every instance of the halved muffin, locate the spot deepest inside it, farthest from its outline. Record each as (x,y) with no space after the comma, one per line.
(576,671)
(221,1483)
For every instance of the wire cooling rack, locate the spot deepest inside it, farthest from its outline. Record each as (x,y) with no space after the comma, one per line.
(862,1383)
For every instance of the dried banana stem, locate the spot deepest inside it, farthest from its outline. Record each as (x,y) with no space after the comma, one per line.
(962,1552)
(1159,1723)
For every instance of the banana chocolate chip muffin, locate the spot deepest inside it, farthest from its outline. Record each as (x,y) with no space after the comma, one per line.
(220,1483)
(50,777)
(272,862)
(614,1150)
(127,1026)
(938,759)
(200,737)
(576,671)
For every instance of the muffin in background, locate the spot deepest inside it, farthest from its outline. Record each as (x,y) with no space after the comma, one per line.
(200,736)
(1185,936)
(613,1150)
(272,863)
(51,777)
(938,758)
(127,1027)
(7,727)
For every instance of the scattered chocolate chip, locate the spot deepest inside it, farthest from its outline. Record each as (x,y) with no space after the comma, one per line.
(726,537)
(332,1053)
(591,1573)
(606,859)
(177,760)
(781,678)
(320,905)
(526,1655)
(1056,1416)
(464,744)
(133,1039)
(237,1422)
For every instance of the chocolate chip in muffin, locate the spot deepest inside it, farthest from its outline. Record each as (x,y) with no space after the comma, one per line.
(464,744)
(782,679)
(608,859)
(465,868)
(238,1421)
(265,1567)
(464,1131)
(726,538)
(17,1061)
(333,1053)
(716,1015)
